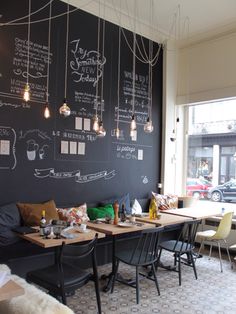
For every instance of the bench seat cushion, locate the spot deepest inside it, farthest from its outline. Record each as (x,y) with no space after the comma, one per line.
(9,219)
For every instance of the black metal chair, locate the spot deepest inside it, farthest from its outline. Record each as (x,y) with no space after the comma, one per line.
(65,276)
(143,254)
(184,244)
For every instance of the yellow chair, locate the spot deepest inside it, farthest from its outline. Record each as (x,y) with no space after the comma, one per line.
(218,235)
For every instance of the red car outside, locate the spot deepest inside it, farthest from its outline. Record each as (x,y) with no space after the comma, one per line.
(198,187)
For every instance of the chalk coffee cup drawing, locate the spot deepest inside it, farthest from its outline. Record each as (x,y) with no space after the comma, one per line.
(32,148)
(42,152)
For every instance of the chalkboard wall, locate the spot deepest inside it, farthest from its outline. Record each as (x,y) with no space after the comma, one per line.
(62,158)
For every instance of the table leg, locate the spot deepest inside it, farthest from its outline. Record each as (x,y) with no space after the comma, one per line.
(107,287)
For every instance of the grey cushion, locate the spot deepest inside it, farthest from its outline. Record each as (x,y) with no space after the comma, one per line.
(124,199)
(9,218)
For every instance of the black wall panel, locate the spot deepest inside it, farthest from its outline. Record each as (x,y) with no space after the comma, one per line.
(33,166)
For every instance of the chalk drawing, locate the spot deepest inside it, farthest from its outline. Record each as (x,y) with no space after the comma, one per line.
(38,132)
(50,173)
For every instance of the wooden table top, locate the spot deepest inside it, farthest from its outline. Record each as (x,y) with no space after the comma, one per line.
(195,212)
(111,229)
(46,243)
(164,220)
(10,289)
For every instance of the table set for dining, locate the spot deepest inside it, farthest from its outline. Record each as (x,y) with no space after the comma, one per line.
(102,229)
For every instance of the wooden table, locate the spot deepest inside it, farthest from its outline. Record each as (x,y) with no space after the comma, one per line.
(164,220)
(46,243)
(10,290)
(195,212)
(111,229)
(115,230)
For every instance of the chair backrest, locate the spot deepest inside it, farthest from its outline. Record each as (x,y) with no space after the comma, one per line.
(224,227)
(72,252)
(145,251)
(187,235)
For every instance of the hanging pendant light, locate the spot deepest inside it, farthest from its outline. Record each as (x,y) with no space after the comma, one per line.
(64,110)
(95,123)
(26,95)
(173,136)
(98,126)
(117,130)
(148,126)
(117,133)
(133,125)
(101,132)
(95,118)
(46,113)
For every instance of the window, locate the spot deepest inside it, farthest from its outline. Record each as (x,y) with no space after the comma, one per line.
(211,144)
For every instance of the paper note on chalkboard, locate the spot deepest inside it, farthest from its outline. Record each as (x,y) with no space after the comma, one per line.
(140,154)
(81,148)
(86,124)
(64,147)
(73,148)
(78,123)
(4,147)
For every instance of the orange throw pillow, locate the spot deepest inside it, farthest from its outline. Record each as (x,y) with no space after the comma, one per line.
(32,213)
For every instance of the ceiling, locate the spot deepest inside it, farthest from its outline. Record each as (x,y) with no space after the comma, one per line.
(182,20)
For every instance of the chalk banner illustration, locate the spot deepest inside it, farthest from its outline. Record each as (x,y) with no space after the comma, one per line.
(50,173)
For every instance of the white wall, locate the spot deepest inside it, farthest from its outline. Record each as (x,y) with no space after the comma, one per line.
(169,148)
(207,70)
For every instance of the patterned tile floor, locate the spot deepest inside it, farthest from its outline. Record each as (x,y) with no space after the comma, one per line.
(213,292)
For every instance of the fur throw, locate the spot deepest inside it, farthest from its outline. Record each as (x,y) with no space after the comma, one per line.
(33,301)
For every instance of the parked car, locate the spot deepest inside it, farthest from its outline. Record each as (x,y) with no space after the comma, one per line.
(198,187)
(223,192)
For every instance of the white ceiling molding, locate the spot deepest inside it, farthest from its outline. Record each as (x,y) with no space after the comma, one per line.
(207,18)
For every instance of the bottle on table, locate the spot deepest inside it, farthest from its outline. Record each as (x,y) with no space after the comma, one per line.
(222,211)
(116,213)
(153,209)
(123,213)
(42,224)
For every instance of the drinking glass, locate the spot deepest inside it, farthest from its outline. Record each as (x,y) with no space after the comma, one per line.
(57,232)
(46,232)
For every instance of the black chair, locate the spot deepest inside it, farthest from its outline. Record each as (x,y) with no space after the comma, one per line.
(184,244)
(64,277)
(143,254)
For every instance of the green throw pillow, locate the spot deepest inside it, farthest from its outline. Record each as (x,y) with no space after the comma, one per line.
(100,212)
